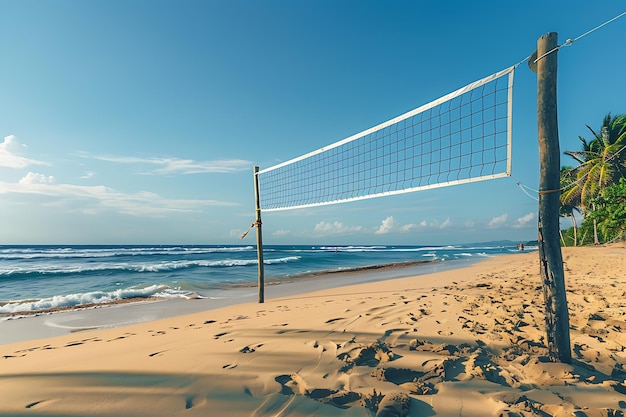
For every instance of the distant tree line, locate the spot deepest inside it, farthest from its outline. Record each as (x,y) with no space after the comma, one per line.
(595,188)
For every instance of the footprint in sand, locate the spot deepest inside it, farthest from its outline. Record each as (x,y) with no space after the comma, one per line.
(314,344)
(124,336)
(35,348)
(31,405)
(240,317)
(248,349)
(81,342)
(412,317)
(13,356)
(294,384)
(291,384)
(193,401)
(38,403)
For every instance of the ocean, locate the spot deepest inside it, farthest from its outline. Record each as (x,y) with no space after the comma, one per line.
(49,277)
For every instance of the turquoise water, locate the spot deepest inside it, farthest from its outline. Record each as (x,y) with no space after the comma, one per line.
(36,278)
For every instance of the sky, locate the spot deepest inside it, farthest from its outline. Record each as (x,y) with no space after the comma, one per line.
(140,121)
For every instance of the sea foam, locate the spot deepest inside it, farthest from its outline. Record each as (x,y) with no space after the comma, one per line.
(96,297)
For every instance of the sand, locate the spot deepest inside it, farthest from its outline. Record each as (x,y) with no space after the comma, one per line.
(465,342)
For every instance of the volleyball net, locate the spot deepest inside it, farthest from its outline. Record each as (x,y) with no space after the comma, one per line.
(462,137)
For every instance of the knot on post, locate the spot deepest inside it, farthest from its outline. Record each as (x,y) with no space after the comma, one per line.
(249,228)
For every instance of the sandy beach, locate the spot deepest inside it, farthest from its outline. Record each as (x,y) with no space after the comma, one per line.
(462,342)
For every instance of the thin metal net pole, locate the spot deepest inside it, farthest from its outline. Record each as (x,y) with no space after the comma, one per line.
(259,236)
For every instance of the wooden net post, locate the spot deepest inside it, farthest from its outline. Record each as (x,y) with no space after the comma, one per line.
(550,257)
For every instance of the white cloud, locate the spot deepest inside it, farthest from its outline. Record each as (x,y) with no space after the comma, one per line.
(498,221)
(335,228)
(410,227)
(390,225)
(97,199)
(187,166)
(35,178)
(10,148)
(280,233)
(170,166)
(387,225)
(523,221)
(88,175)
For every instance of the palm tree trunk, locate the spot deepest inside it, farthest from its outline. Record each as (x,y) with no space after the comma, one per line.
(595,227)
(575,230)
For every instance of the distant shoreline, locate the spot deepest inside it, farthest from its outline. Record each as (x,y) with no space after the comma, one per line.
(327,273)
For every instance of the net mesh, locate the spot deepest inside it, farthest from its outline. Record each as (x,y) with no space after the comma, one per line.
(462,137)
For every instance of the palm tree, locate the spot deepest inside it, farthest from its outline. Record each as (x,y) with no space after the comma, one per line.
(602,162)
(568,209)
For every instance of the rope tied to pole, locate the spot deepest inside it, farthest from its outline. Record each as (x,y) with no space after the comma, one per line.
(250,228)
(570,42)
(524,188)
(544,192)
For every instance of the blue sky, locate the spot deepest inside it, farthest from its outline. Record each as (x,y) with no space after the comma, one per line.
(141,121)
